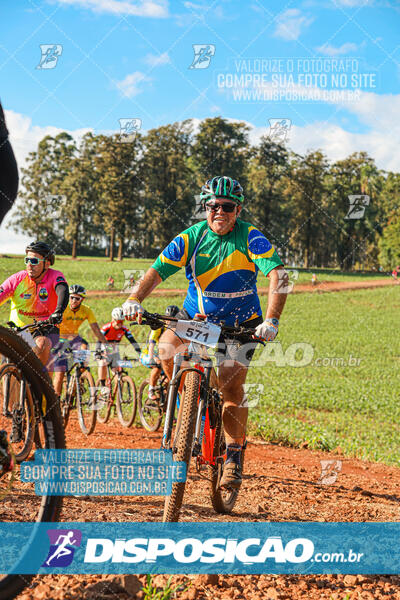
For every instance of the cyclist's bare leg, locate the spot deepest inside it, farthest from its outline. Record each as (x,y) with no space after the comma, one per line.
(154,375)
(169,345)
(58,381)
(102,372)
(231,380)
(43,347)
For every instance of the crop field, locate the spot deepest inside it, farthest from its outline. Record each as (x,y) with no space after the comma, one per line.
(329,381)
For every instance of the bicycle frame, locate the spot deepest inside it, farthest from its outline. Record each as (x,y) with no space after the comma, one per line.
(203,365)
(115,375)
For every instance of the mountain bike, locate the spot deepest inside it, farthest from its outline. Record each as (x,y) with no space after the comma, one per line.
(198,430)
(150,410)
(79,391)
(17,405)
(119,393)
(18,500)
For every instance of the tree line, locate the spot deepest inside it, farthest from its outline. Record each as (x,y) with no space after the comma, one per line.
(128,196)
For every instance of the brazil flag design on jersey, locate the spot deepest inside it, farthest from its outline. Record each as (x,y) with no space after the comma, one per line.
(221,269)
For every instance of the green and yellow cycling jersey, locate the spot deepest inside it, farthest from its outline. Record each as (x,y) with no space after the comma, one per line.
(221,269)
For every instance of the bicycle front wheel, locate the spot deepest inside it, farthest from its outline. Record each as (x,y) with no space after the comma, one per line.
(18,500)
(86,402)
(183,442)
(126,401)
(150,412)
(17,407)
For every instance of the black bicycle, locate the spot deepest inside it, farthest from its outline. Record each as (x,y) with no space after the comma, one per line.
(119,392)
(195,428)
(79,391)
(19,503)
(17,405)
(151,410)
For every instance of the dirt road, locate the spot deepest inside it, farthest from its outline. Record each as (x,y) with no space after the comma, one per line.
(322,286)
(281,484)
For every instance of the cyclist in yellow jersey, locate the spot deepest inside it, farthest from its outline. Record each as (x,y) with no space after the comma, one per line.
(149,356)
(75,314)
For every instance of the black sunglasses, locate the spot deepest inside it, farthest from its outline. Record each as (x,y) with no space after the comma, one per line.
(227,207)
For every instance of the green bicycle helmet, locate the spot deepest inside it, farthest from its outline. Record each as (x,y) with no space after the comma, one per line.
(222,186)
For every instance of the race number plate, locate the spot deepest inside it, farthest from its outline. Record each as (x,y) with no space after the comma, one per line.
(81,355)
(125,364)
(199,331)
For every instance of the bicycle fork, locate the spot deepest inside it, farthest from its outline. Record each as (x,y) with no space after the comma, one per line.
(178,371)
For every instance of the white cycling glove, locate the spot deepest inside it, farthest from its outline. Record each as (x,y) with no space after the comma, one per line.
(133,310)
(267,330)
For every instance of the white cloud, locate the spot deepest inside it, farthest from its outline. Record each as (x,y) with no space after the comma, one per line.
(290,24)
(378,112)
(130,85)
(339,50)
(24,138)
(141,8)
(351,3)
(156,61)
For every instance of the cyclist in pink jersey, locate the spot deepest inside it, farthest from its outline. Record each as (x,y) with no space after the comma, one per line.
(37,293)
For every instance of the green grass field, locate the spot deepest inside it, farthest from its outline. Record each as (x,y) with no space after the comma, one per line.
(93,273)
(334,404)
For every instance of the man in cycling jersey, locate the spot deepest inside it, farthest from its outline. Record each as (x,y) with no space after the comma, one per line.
(148,356)
(113,332)
(37,293)
(222,256)
(74,316)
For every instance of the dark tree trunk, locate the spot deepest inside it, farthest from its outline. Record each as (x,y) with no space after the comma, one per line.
(120,247)
(112,241)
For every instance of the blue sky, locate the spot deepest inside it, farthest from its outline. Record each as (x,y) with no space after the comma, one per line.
(131,59)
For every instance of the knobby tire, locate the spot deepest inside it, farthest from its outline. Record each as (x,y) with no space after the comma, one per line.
(182,444)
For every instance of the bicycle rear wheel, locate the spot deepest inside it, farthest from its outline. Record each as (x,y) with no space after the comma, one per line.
(18,500)
(19,411)
(126,401)
(66,399)
(103,403)
(150,412)
(86,403)
(183,441)
(223,500)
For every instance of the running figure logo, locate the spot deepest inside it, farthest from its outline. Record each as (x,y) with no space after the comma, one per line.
(358,204)
(279,130)
(330,470)
(128,129)
(63,543)
(50,55)
(202,55)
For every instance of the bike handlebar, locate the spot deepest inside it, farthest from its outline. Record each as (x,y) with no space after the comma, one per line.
(155,321)
(34,325)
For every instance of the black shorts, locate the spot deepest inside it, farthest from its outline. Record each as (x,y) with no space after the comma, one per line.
(50,331)
(231,349)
